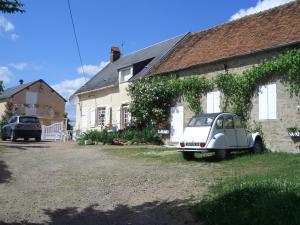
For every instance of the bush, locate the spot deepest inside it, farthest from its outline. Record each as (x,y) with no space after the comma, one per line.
(127,135)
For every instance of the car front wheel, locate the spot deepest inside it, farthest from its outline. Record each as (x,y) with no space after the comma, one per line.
(38,139)
(258,146)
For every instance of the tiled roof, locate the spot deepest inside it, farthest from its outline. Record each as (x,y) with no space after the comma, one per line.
(14,90)
(269,29)
(108,76)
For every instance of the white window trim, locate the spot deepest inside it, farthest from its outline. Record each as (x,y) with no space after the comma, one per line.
(215,108)
(97,116)
(120,74)
(266,104)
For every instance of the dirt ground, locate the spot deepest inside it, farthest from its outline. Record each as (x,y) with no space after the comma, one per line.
(63,183)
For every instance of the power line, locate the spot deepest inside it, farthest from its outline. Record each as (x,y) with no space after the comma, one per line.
(76,39)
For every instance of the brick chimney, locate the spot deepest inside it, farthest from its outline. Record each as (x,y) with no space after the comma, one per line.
(115,54)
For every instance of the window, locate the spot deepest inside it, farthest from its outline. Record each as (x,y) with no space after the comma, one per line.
(101,116)
(267,102)
(13,120)
(229,122)
(213,102)
(201,121)
(125,116)
(125,74)
(237,123)
(219,123)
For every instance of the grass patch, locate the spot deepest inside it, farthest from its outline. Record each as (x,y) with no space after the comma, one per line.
(265,190)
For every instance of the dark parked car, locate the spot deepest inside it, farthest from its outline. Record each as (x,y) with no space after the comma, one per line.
(22,127)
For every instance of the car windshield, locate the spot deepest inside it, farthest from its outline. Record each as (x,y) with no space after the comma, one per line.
(28,120)
(201,121)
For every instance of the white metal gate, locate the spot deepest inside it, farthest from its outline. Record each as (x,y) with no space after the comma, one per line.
(176,131)
(53,131)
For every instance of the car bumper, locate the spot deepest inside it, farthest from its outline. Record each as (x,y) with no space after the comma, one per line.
(193,150)
(22,133)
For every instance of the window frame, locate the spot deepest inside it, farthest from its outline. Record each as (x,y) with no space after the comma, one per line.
(122,76)
(101,120)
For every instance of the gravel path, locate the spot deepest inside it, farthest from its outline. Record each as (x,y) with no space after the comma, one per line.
(62,183)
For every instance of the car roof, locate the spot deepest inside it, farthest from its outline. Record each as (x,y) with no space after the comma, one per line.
(214,115)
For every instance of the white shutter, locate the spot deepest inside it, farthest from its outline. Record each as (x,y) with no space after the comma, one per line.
(210,102)
(118,118)
(84,120)
(216,101)
(92,117)
(263,103)
(272,101)
(107,115)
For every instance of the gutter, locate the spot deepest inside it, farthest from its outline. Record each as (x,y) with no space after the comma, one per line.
(94,90)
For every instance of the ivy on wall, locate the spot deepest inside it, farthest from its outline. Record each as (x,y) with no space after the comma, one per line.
(153,96)
(238,90)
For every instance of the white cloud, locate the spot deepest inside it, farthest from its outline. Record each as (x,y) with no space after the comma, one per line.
(14,36)
(261,5)
(5,24)
(67,87)
(91,69)
(19,66)
(5,74)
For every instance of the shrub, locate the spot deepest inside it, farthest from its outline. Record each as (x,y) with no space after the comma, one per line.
(127,135)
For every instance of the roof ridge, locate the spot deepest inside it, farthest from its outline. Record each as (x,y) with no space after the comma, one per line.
(154,44)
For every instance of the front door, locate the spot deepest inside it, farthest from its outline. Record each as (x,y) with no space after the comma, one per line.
(176,131)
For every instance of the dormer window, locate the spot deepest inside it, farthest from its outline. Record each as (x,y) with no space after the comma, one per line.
(125,74)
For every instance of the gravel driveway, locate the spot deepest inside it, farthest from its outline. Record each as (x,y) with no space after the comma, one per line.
(62,183)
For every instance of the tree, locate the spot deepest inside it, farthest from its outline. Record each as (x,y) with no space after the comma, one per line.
(9,111)
(1,87)
(11,6)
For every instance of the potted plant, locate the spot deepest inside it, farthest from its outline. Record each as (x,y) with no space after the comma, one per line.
(293,132)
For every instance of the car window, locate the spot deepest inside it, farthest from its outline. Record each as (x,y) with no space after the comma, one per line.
(229,122)
(237,122)
(28,120)
(201,121)
(219,123)
(13,120)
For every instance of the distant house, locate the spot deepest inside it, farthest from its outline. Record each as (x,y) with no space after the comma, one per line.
(35,98)
(234,47)
(103,100)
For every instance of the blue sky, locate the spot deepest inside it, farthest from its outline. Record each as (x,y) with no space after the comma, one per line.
(39,44)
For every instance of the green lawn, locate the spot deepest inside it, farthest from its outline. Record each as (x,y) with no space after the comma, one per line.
(250,190)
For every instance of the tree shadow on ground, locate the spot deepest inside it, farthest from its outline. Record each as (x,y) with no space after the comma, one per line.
(5,174)
(153,213)
(251,206)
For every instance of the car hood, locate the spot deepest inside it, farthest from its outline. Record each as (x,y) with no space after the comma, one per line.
(196,134)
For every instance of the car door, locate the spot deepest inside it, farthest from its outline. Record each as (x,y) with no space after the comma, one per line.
(229,131)
(241,135)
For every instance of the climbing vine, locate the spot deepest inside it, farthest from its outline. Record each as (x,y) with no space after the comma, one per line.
(153,96)
(238,90)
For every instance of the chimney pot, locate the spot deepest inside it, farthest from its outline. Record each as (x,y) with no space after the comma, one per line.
(115,54)
(21,81)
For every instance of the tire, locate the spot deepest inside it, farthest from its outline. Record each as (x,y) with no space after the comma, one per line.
(12,136)
(38,139)
(258,146)
(188,155)
(3,138)
(221,154)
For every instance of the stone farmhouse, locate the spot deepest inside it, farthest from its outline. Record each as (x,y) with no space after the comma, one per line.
(231,47)
(234,47)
